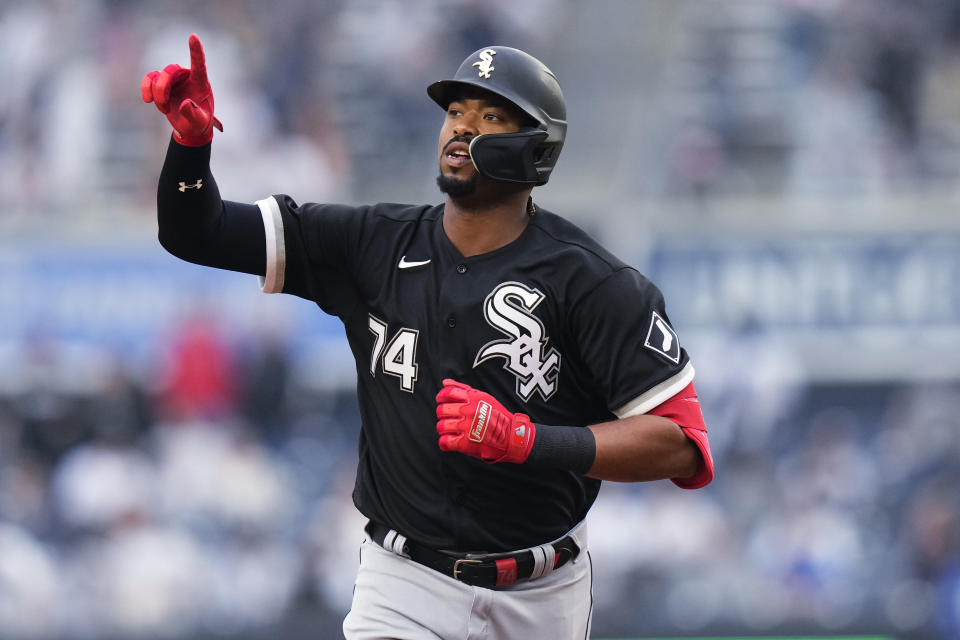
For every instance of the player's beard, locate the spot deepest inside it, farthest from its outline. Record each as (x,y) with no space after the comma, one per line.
(457,187)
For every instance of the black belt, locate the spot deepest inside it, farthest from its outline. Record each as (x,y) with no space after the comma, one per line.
(480,570)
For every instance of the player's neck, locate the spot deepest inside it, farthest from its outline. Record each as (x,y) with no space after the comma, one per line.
(475,228)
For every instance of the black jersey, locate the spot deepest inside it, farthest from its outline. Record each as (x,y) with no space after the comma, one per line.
(552,325)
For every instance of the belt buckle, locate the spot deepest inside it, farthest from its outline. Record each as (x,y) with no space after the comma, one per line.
(456,566)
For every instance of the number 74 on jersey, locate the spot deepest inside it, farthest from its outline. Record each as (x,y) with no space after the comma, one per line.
(398,357)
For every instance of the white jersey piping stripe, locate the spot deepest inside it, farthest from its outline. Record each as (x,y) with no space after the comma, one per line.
(272,282)
(658,394)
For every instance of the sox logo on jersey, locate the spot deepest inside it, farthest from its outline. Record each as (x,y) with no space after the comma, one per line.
(509,309)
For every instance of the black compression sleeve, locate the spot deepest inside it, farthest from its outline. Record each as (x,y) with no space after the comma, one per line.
(195,224)
(571,448)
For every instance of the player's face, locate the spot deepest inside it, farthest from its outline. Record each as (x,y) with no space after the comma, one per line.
(467,117)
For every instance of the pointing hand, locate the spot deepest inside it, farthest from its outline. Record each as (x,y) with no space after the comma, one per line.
(185,97)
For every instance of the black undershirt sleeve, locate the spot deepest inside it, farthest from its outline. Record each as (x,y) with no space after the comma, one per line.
(196,225)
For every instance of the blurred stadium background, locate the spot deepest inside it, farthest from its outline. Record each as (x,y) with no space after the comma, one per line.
(177,450)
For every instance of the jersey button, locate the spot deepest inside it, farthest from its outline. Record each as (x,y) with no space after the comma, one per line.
(451,322)
(461,268)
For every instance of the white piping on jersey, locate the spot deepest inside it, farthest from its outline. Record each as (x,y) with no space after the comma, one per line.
(657,395)
(276,251)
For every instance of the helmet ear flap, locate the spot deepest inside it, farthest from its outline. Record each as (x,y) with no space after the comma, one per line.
(514,157)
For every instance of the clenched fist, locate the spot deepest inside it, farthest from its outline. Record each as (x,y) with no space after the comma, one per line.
(475,423)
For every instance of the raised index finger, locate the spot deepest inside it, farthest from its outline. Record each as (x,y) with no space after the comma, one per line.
(198,62)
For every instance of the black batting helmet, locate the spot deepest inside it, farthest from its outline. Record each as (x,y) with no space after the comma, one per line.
(529,155)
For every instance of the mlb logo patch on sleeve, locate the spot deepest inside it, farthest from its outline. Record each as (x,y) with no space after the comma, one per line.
(662,338)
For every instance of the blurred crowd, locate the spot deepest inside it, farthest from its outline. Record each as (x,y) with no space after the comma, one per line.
(206,492)
(312,94)
(791,97)
(202,495)
(816,98)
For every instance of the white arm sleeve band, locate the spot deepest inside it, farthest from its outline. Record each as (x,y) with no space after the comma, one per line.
(272,282)
(657,395)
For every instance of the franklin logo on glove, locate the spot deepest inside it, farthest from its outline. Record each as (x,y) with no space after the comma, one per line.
(480,422)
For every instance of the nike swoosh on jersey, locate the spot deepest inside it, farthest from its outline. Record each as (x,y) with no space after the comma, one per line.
(409,265)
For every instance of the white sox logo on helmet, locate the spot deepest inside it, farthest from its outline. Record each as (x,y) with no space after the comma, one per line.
(509,309)
(485,63)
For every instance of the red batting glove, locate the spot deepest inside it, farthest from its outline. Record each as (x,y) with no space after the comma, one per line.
(185,97)
(475,423)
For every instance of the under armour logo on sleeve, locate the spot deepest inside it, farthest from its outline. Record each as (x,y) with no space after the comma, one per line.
(184,186)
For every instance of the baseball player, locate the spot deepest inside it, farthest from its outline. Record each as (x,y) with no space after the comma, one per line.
(506,362)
